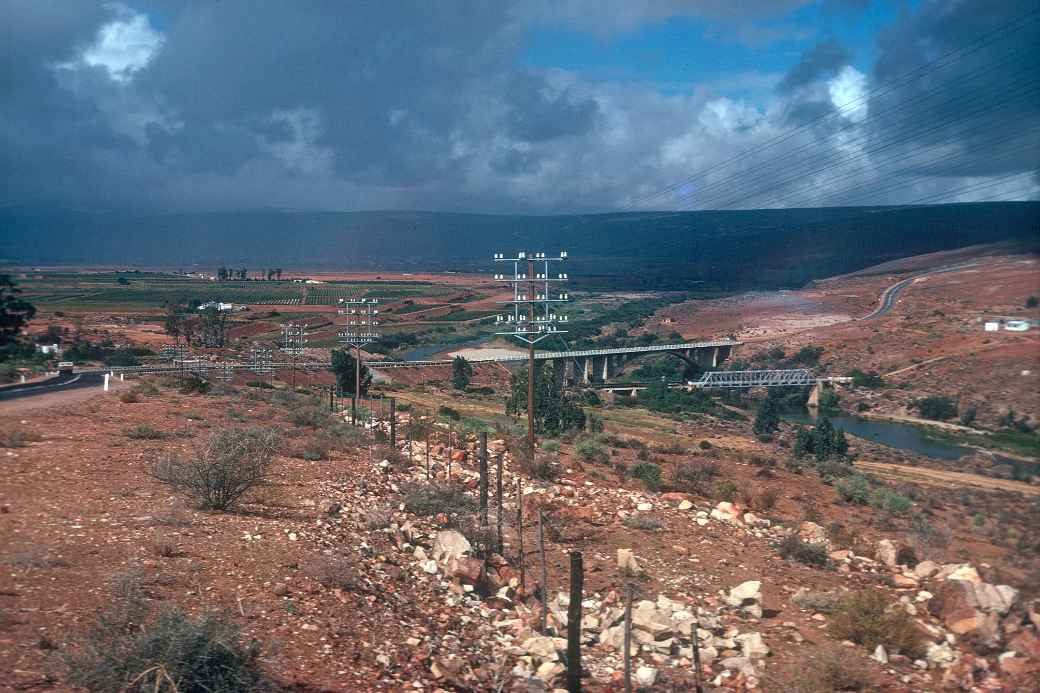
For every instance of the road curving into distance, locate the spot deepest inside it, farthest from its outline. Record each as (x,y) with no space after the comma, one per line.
(62,383)
(891,295)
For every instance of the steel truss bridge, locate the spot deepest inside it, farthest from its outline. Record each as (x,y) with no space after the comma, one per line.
(768,378)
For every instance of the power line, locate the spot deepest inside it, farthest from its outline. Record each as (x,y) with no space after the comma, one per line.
(982,41)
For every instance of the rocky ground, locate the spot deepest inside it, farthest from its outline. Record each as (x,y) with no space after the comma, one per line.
(351,584)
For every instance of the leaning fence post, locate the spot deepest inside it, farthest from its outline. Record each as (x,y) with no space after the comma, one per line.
(427,454)
(449,449)
(574,625)
(483,480)
(393,423)
(628,638)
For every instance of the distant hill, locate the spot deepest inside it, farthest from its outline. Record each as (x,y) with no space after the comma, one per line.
(652,250)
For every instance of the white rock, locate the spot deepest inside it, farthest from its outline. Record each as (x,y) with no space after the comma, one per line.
(741,664)
(430,567)
(643,507)
(726,512)
(449,545)
(752,646)
(746,596)
(544,647)
(886,552)
(880,655)
(685,505)
(646,676)
(626,562)
(959,571)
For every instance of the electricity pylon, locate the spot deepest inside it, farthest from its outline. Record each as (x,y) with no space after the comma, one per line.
(361,323)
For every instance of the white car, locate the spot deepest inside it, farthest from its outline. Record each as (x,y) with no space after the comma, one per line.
(1016,325)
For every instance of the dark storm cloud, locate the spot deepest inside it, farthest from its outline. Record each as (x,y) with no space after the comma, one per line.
(311,104)
(972,107)
(823,60)
(535,115)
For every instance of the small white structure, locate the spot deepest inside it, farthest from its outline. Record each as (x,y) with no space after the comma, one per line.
(218,305)
(49,349)
(992,327)
(1016,325)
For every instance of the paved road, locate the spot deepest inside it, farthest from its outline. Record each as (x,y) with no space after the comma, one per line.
(71,381)
(891,295)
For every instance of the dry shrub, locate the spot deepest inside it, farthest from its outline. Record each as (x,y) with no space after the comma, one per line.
(695,476)
(823,602)
(792,547)
(647,524)
(449,498)
(144,432)
(865,618)
(376,519)
(17,437)
(832,669)
(134,649)
(767,499)
(129,397)
(333,572)
(164,547)
(222,470)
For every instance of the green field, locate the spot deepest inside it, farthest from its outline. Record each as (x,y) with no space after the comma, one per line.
(153,290)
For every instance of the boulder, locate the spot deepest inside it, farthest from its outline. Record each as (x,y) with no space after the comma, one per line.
(812,533)
(626,562)
(973,609)
(752,646)
(449,545)
(746,597)
(740,664)
(886,553)
(959,571)
(726,512)
(467,569)
(544,647)
(646,676)
(925,570)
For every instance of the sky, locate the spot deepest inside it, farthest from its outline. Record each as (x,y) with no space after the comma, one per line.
(537,106)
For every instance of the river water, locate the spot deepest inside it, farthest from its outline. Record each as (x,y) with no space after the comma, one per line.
(891,433)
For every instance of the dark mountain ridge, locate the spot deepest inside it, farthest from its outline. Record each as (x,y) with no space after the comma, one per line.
(718,249)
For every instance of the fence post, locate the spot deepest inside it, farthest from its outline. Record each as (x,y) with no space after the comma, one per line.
(483,480)
(574,624)
(449,449)
(545,575)
(332,395)
(498,497)
(628,638)
(393,423)
(427,454)
(520,529)
(695,642)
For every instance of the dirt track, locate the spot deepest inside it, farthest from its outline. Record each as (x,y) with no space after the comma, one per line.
(935,477)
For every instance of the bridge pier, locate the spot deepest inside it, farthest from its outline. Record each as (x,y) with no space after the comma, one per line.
(814,396)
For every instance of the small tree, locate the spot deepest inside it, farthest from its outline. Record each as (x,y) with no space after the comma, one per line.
(554,411)
(461,373)
(937,407)
(15,312)
(1032,302)
(343,365)
(768,418)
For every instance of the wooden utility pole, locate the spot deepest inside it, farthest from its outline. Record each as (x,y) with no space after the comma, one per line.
(498,498)
(530,371)
(574,624)
(357,386)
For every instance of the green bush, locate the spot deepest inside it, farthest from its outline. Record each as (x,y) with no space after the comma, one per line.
(870,380)
(936,407)
(855,489)
(834,468)
(589,449)
(552,446)
(649,473)
(726,491)
(447,412)
(704,445)
(889,501)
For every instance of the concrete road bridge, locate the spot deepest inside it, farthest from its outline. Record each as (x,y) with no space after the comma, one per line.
(577,367)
